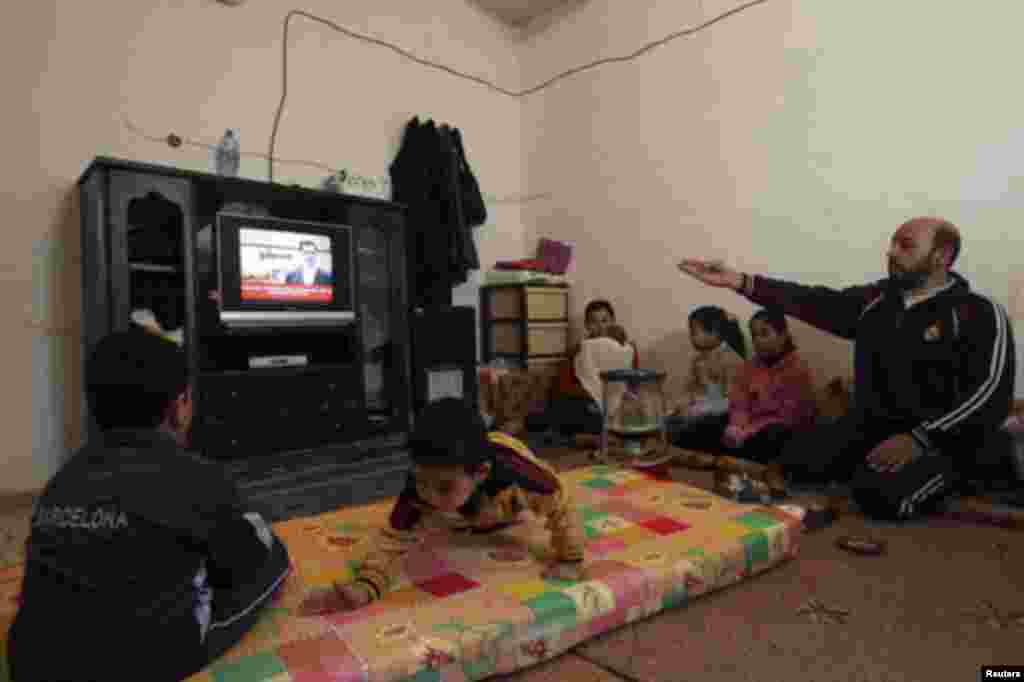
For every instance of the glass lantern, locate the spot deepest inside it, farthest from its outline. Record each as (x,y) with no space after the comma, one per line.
(634,410)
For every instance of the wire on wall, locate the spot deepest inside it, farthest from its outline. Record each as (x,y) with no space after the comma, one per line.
(379,185)
(459,74)
(176,141)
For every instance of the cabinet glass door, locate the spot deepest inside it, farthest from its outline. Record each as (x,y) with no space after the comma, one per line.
(375,317)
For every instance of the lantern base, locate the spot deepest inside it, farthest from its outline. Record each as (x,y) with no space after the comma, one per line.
(636,449)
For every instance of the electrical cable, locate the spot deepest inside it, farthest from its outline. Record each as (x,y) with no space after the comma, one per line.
(454,72)
(175,141)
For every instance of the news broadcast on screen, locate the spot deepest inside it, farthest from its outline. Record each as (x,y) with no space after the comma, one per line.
(285,266)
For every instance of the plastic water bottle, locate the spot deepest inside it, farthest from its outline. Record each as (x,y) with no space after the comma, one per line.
(227,155)
(331,183)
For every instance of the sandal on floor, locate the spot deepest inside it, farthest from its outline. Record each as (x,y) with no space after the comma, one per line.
(692,459)
(859,544)
(735,465)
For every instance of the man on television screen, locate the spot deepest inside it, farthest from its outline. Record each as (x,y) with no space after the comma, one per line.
(309,272)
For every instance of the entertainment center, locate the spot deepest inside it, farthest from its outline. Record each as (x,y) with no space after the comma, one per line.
(291,306)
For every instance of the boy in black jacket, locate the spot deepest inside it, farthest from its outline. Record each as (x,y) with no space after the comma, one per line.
(934,374)
(142,562)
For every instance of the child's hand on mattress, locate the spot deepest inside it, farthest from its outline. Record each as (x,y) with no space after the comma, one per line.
(346,597)
(565,570)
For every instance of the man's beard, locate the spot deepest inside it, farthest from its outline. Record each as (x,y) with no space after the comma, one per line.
(911,278)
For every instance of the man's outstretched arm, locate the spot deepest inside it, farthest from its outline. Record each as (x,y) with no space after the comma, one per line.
(836,311)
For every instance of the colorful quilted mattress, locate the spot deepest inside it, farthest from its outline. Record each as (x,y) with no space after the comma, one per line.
(472,606)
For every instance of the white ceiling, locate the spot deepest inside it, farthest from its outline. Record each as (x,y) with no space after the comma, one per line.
(519,13)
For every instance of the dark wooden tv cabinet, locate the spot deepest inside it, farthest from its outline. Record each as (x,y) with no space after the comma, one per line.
(315,481)
(300,439)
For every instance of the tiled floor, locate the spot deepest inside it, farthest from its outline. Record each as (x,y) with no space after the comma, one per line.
(946,599)
(567,668)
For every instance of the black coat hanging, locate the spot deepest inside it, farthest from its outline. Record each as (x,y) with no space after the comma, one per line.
(426,177)
(474,210)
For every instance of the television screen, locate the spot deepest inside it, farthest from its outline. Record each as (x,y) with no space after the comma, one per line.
(285,266)
(282,272)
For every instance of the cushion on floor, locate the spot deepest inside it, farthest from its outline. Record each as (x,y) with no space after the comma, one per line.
(471,606)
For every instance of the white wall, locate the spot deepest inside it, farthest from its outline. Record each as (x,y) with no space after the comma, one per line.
(72,71)
(789,139)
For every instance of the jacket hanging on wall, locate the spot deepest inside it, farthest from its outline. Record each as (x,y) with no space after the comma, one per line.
(427,176)
(473,207)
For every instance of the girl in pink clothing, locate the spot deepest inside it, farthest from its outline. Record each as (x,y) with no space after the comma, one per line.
(772,395)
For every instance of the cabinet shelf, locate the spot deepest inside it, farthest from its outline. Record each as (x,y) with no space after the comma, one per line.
(529,323)
(298,330)
(317,368)
(139,266)
(148,244)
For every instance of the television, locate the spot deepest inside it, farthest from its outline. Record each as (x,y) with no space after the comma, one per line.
(279,272)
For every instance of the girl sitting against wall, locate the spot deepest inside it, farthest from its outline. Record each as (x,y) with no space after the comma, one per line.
(701,415)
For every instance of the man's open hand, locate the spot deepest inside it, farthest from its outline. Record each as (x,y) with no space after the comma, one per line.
(713,273)
(893,453)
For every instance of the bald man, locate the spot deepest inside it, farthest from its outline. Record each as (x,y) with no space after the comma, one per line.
(934,372)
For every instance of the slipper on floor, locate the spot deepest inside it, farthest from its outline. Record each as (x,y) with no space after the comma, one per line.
(692,459)
(859,544)
(742,489)
(736,465)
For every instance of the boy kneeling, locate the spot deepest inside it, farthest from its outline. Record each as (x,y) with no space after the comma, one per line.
(463,479)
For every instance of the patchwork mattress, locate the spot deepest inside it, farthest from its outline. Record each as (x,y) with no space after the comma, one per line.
(471,606)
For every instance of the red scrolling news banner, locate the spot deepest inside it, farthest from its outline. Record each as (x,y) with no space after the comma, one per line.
(262,290)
